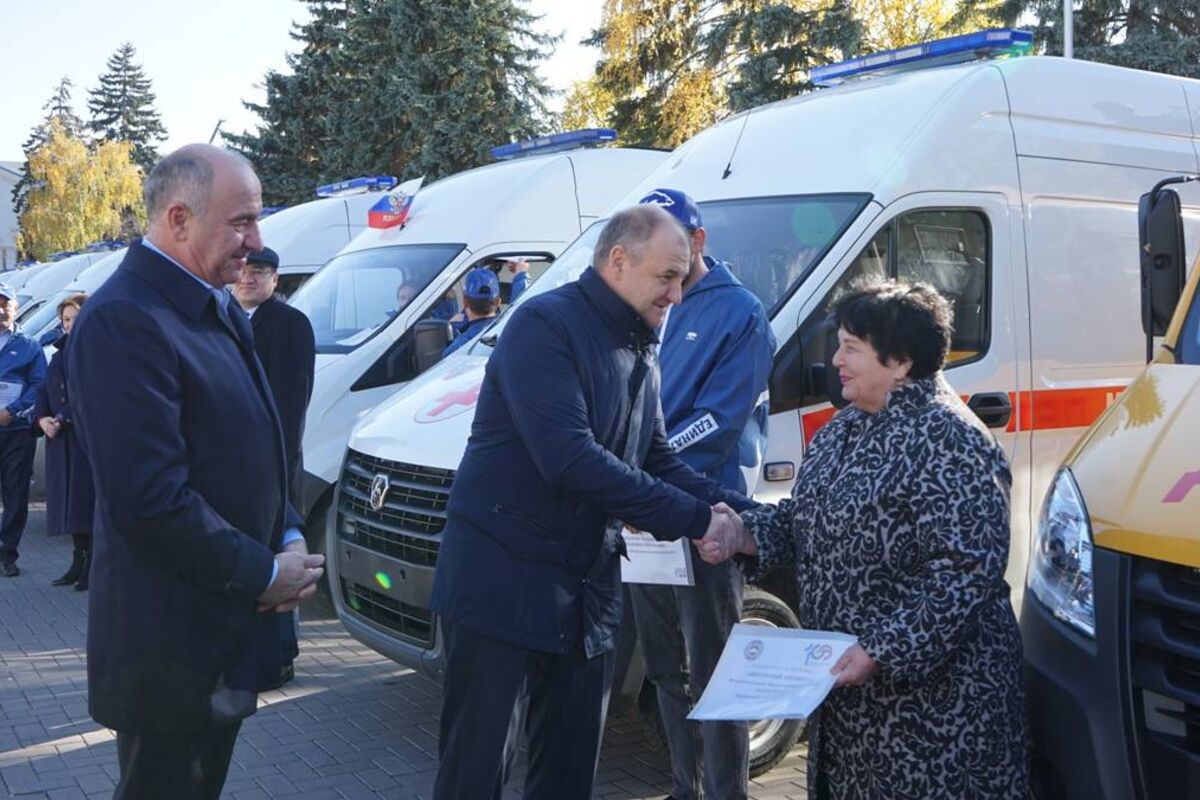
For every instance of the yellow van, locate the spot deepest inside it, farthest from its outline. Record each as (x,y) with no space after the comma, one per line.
(1111,618)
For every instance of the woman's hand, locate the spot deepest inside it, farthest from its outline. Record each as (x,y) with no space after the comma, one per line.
(50,426)
(854,668)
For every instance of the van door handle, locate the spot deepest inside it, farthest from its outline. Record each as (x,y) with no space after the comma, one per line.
(993,408)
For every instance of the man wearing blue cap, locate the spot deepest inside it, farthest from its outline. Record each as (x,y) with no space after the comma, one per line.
(22,370)
(715,358)
(481,290)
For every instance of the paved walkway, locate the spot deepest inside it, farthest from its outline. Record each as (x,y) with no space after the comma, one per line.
(352,726)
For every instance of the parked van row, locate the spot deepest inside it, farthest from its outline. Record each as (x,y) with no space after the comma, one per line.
(1011,184)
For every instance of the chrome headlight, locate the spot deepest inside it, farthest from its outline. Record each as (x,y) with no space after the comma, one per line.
(1060,566)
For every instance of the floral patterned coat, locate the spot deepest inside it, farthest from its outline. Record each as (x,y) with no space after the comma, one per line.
(899,529)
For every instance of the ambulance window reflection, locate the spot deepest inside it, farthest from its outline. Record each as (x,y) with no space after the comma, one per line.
(357,294)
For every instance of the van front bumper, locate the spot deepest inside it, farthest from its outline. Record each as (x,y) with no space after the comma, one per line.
(386,592)
(1094,726)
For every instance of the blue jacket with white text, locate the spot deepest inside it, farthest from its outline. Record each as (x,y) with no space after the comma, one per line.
(716,355)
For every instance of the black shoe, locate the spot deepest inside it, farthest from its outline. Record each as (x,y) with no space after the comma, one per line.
(73,572)
(9,569)
(81,584)
(286,674)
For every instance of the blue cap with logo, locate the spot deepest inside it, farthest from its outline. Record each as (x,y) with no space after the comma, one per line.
(677,204)
(482,284)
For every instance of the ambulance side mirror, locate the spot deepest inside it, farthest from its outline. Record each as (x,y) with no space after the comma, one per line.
(430,337)
(833,383)
(1160,239)
(797,380)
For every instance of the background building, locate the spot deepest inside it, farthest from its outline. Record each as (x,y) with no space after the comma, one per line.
(10,172)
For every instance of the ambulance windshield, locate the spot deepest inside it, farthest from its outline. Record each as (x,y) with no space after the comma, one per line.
(357,294)
(770,244)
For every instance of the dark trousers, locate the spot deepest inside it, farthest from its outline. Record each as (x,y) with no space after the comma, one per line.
(485,684)
(180,767)
(16,468)
(682,632)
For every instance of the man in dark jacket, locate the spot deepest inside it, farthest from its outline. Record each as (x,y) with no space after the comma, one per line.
(22,370)
(284,341)
(287,349)
(567,440)
(195,547)
(716,354)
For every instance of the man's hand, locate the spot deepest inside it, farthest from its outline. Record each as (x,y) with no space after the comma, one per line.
(6,417)
(50,426)
(854,668)
(726,536)
(295,582)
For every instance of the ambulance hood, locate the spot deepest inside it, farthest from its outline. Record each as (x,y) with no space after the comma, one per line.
(430,420)
(1139,468)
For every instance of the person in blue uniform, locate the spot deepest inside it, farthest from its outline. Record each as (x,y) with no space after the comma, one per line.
(715,357)
(22,370)
(481,290)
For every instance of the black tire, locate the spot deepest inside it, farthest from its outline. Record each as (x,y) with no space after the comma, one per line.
(772,739)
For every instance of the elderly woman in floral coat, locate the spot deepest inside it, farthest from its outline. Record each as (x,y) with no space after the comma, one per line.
(899,529)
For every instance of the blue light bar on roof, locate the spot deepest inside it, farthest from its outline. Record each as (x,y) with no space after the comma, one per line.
(375,183)
(586,137)
(994,43)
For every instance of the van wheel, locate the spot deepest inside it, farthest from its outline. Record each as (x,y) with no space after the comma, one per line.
(770,739)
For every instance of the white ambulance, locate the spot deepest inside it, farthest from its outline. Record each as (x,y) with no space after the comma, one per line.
(307,235)
(364,303)
(1011,184)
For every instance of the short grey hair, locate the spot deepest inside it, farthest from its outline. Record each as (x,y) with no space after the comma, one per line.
(184,176)
(632,228)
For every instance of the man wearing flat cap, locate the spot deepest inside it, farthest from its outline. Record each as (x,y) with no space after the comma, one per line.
(284,342)
(22,370)
(283,339)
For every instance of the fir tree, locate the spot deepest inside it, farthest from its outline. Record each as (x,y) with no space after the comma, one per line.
(1160,37)
(404,88)
(287,146)
(59,108)
(122,107)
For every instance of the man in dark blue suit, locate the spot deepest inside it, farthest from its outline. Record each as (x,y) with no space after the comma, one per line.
(567,445)
(175,414)
(287,350)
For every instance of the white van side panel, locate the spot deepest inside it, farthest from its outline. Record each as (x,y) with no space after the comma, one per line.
(1081,111)
(600,182)
(1083,276)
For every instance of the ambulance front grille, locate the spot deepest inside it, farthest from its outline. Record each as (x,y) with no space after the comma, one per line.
(408,622)
(1165,649)
(408,524)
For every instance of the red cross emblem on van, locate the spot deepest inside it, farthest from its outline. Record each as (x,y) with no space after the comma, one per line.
(451,404)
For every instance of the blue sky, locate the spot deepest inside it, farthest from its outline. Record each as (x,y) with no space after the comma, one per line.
(203,57)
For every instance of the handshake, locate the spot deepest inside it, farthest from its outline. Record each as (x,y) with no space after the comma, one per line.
(726,536)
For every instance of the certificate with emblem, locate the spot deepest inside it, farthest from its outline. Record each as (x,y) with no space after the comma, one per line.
(771,673)
(10,391)
(652,561)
